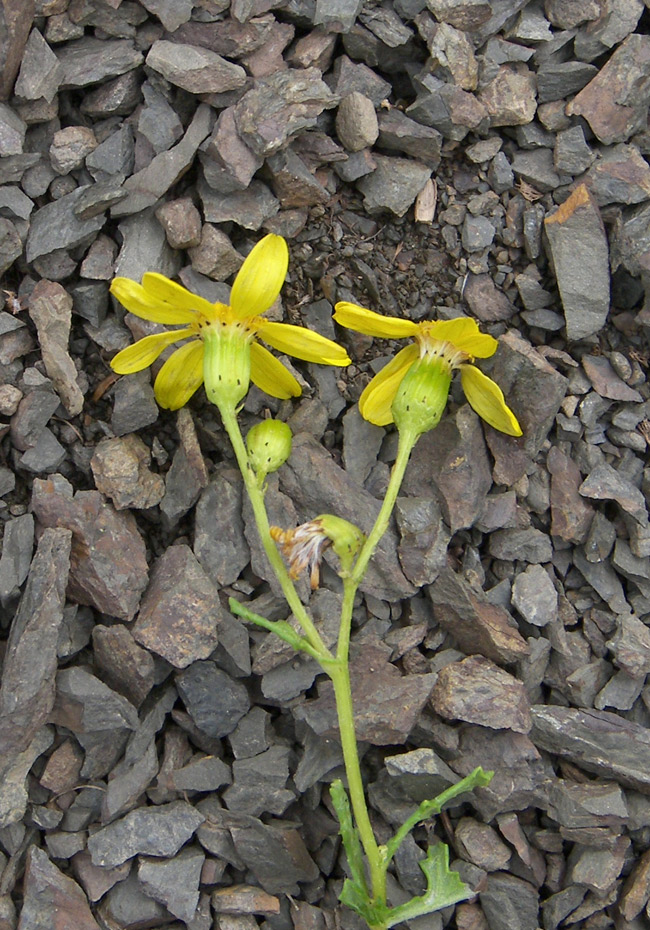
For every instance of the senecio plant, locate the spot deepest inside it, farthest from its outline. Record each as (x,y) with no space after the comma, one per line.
(221,347)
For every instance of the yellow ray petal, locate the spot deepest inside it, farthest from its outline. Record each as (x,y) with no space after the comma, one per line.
(373,324)
(463,332)
(161,288)
(180,376)
(134,297)
(270,375)
(303,343)
(145,351)
(488,401)
(378,397)
(260,278)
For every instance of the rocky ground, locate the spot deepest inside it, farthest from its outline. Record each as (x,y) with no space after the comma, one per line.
(164,765)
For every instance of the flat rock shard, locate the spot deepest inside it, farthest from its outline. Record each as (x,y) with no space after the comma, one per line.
(580,257)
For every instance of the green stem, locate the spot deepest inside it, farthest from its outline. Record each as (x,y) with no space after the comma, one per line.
(407,440)
(256,498)
(339,672)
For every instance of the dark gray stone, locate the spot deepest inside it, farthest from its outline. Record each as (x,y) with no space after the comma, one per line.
(134,404)
(91,60)
(148,831)
(17,545)
(214,701)
(393,185)
(175,882)
(509,903)
(57,226)
(598,741)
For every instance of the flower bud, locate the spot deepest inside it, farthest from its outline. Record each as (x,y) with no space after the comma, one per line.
(269,445)
(422,396)
(346,538)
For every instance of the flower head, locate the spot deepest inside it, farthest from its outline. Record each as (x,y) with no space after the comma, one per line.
(304,546)
(219,341)
(438,349)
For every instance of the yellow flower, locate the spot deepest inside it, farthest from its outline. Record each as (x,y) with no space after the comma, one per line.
(222,347)
(444,345)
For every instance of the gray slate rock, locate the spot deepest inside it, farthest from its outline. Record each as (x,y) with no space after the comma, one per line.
(50,308)
(580,257)
(477,691)
(195,69)
(134,404)
(477,626)
(188,474)
(16,768)
(40,71)
(619,175)
(451,463)
(174,883)
(11,245)
(614,103)
(605,483)
(219,542)
(260,783)
(27,689)
(399,133)
(249,208)
(127,905)
(121,471)
(393,185)
(113,585)
(280,106)
(534,596)
(16,557)
(424,539)
(147,186)
(275,854)
(91,60)
(597,741)
(84,704)
(48,891)
(386,703)
(557,80)
(57,226)
(148,831)
(527,545)
(214,700)
(180,611)
(509,903)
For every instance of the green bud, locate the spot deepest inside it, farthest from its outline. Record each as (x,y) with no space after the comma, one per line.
(269,446)
(346,538)
(422,396)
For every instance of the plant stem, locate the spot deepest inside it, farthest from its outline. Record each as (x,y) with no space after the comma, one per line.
(407,440)
(339,672)
(256,498)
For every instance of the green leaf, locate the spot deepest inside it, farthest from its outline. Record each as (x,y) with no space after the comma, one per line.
(444,887)
(476,779)
(351,842)
(280,627)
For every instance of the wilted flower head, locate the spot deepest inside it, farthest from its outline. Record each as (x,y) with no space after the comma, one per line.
(304,546)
